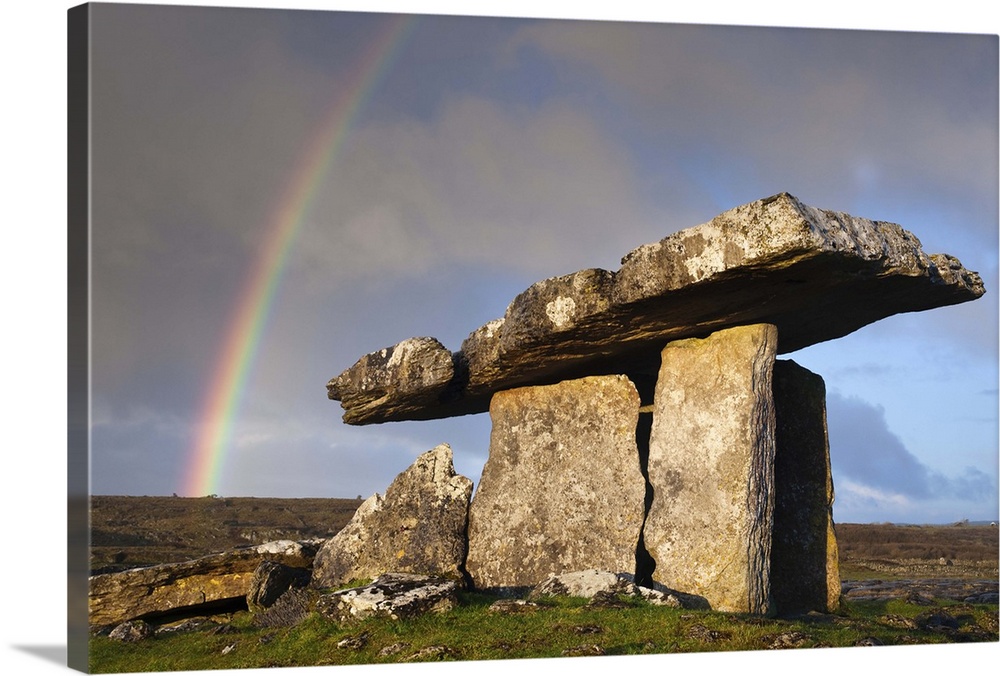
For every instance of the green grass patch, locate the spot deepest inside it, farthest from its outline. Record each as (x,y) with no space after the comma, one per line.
(563,626)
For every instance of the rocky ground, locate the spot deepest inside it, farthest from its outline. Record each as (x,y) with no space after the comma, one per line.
(956,562)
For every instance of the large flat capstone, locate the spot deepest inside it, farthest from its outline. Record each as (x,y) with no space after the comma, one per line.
(814,274)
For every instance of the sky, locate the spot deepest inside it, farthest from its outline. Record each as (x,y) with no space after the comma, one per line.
(880,133)
(412,174)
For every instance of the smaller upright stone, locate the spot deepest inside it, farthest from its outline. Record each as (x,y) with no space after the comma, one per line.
(562,489)
(805,573)
(394,381)
(711,466)
(419,527)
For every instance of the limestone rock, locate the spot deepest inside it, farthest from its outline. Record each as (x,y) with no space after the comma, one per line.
(589,584)
(132,631)
(289,610)
(562,489)
(394,380)
(815,274)
(419,526)
(393,595)
(157,590)
(270,581)
(805,572)
(711,465)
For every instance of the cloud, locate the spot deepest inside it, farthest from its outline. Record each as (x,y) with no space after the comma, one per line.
(484,183)
(873,463)
(861,111)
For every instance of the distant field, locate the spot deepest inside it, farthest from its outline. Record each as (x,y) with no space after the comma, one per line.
(887,550)
(127,531)
(137,531)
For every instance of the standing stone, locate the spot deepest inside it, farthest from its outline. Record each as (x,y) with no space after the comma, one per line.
(805,573)
(418,527)
(711,466)
(562,489)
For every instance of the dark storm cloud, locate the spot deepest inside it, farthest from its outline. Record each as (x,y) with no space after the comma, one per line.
(879,109)
(864,450)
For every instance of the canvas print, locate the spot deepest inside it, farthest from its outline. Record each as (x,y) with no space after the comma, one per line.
(407,338)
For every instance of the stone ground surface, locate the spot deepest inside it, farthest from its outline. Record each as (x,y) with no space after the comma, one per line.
(941,588)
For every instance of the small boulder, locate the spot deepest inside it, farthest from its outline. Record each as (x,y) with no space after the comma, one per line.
(132,631)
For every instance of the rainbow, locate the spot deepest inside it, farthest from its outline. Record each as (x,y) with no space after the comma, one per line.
(206,457)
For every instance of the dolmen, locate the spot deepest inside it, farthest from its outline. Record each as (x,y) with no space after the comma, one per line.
(641,421)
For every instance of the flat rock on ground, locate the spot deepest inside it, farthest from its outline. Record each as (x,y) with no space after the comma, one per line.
(173,587)
(393,595)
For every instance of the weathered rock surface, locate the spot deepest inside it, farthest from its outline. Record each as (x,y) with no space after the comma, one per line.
(968,591)
(132,631)
(590,583)
(412,374)
(393,595)
(711,464)
(171,587)
(815,274)
(805,572)
(271,580)
(419,526)
(562,489)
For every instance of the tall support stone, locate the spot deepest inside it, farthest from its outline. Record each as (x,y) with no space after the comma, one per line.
(804,570)
(711,465)
(562,489)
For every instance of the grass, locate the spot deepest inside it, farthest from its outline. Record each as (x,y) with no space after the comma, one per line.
(560,627)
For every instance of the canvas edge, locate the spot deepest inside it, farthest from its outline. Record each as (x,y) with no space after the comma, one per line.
(78,333)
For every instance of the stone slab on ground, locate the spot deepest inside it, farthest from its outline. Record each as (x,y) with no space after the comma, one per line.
(393,595)
(173,587)
(589,584)
(711,465)
(562,489)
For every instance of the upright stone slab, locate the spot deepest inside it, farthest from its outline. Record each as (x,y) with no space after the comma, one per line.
(711,466)
(418,527)
(805,574)
(562,489)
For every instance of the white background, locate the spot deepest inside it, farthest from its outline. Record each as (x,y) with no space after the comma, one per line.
(34,333)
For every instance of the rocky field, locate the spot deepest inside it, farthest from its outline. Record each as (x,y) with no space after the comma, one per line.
(128,532)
